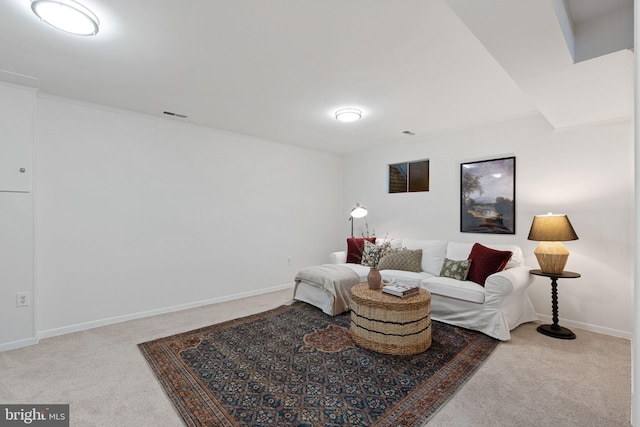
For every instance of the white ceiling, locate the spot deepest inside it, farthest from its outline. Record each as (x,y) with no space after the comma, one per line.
(278,69)
(587,10)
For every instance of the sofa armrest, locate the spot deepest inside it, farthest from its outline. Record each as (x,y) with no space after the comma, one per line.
(505,282)
(339,257)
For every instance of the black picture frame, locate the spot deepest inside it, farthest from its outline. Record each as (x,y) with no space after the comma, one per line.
(488,196)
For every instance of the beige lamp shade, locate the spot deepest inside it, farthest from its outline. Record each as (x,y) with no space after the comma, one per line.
(550,230)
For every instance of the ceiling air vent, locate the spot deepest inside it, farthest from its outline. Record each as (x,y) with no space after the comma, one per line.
(170,113)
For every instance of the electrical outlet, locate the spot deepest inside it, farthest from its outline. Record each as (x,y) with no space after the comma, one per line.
(23,299)
(289,260)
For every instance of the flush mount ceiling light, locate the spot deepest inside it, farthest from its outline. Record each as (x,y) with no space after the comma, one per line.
(348,114)
(67,15)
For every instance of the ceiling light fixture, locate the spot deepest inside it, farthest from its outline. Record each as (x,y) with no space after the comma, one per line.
(348,114)
(67,15)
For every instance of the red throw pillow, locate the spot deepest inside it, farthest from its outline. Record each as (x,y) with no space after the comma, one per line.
(486,261)
(355,246)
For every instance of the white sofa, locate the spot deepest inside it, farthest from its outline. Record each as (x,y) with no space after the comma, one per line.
(495,309)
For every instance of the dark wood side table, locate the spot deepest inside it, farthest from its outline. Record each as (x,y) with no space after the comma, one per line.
(555,330)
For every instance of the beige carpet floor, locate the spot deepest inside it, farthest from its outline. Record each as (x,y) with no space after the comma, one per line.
(531,380)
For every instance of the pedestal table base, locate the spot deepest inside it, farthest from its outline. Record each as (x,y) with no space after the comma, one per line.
(557,332)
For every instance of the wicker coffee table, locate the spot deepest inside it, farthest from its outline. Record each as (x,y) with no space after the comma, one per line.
(389,324)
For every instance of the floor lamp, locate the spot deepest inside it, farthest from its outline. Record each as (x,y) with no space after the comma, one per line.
(357,212)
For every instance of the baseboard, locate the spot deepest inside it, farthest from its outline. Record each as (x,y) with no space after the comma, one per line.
(587,327)
(18,344)
(118,319)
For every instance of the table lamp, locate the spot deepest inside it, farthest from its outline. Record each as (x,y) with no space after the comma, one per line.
(550,230)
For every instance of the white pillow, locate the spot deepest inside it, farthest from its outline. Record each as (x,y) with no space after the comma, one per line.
(395,243)
(433,253)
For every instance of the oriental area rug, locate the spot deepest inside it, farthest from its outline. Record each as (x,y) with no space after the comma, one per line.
(296,366)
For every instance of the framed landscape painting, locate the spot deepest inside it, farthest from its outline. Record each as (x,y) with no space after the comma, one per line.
(488,196)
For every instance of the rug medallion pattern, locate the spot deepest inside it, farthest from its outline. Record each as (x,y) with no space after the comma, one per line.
(296,366)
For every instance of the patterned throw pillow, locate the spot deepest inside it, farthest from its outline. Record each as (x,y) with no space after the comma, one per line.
(455,269)
(402,259)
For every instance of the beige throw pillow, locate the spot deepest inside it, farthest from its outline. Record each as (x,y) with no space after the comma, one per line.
(402,259)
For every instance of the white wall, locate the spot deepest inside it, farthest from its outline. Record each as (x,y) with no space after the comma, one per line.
(138,215)
(16,267)
(635,344)
(585,172)
(17,105)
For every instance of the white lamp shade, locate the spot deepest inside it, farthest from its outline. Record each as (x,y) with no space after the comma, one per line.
(359,211)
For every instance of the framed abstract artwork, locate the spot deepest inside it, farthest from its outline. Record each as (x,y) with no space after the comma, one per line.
(488,196)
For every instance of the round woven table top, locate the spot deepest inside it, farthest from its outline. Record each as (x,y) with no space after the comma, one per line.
(376,298)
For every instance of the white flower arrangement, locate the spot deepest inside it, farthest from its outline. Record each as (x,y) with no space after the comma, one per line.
(372,253)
